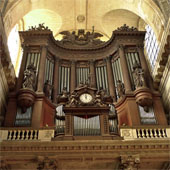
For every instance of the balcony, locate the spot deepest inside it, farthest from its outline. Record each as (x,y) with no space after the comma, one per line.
(47,134)
(145,133)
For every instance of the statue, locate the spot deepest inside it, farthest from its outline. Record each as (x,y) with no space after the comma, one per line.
(99,96)
(81,84)
(138,76)
(29,77)
(64,93)
(73,99)
(91,78)
(81,37)
(47,88)
(40,27)
(120,88)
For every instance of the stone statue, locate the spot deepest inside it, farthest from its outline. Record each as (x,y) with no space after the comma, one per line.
(138,76)
(29,77)
(120,88)
(47,88)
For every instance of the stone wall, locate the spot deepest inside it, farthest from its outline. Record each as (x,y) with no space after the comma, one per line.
(7,73)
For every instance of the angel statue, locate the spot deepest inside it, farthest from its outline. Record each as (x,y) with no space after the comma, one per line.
(68,37)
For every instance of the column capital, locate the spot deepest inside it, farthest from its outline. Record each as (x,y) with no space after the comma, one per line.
(140,46)
(73,62)
(91,61)
(43,46)
(108,58)
(57,59)
(121,46)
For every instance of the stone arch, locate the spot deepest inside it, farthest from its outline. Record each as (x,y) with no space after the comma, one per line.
(145,9)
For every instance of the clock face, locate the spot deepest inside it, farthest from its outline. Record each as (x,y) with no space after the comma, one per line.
(86,98)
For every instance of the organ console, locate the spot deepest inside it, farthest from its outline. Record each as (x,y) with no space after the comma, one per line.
(82,86)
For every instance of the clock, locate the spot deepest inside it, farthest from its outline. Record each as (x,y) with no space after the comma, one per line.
(86,98)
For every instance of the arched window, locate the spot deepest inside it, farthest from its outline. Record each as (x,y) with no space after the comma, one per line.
(151,46)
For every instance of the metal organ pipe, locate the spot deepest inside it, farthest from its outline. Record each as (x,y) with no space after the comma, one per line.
(86,126)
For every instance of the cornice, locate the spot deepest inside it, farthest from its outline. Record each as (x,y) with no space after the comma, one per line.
(87,146)
(24,34)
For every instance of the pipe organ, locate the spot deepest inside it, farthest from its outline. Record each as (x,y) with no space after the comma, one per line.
(82,75)
(101,77)
(64,78)
(84,86)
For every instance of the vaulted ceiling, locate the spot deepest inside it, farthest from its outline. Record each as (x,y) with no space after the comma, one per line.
(104,15)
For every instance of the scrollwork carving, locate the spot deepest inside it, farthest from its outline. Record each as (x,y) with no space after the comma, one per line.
(46,163)
(81,37)
(126,28)
(40,27)
(129,162)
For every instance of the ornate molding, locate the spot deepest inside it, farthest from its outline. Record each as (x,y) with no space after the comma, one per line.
(4,165)
(80,38)
(130,162)
(126,28)
(111,146)
(45,163)
(40,27)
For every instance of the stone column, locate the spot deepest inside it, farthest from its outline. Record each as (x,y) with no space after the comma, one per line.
(110,78)
(144,65)
(92,74)
(22,68)
(73,76)
(56,80)
(124,67)
(41,72)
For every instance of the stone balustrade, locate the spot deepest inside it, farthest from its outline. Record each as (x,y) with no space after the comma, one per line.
(26,134)
(145,133)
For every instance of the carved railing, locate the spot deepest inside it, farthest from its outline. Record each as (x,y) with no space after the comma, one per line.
(22,134)
(157,132)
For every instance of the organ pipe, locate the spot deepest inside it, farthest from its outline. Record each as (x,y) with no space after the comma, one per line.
(86,126)
(124,68)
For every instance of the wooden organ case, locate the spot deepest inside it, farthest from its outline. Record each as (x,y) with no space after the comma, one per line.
(82,86)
